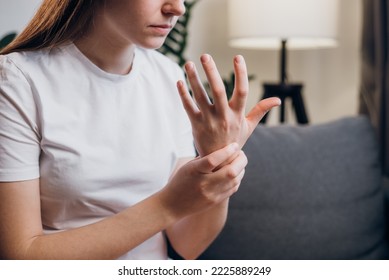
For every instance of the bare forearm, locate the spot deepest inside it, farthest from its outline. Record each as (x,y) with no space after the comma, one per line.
(194,189)
(108,239)
(192,235)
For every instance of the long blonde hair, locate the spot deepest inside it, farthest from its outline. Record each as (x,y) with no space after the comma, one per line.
(56,22)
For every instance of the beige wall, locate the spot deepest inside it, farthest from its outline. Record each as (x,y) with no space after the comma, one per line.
(14,14)
(331,77)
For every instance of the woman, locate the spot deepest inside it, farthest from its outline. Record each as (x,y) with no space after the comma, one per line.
(97,157)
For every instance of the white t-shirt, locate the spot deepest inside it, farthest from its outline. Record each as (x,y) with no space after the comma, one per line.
(99,142)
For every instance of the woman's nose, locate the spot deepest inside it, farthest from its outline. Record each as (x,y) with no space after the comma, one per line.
(174,7)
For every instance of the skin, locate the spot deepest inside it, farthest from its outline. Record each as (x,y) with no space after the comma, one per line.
(224,121)
(192,207)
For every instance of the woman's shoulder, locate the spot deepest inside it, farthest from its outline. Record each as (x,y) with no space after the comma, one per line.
(37,66)
(27,61)
(11,65)
(25,57)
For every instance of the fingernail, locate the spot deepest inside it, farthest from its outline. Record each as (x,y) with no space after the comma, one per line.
(205,58)
(189,66)
(238,59)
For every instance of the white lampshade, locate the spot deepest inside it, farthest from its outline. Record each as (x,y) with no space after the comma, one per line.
(262,24)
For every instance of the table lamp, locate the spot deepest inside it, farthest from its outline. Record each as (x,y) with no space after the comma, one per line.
(283,25)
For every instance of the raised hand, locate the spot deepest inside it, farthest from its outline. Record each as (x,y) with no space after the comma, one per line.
(222,122)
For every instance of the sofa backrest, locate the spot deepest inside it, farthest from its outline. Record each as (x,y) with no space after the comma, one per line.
(309,192)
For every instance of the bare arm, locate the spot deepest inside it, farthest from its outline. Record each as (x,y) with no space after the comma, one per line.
(193,234)
(195,188)
(22,237)
(214,126)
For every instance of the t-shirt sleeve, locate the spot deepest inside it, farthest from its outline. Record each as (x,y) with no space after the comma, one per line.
(19,132)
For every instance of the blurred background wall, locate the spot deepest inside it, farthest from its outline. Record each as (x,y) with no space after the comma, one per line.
(14,14)
(330,76)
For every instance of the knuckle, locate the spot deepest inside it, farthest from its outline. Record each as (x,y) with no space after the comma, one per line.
(228,126)
(208,197)
(197,116)
(224,125)
(241,92)
(218,91)
(233,190)
(203,189)
(231,174)
(236,188)
(244,157)
(210,200)
(211,162)
(236,181)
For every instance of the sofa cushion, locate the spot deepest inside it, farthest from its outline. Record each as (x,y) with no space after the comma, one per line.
(309,192)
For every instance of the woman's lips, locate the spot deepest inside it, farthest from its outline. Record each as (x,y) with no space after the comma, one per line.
(161,29)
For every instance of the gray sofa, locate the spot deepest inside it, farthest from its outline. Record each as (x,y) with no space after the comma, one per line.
(310,192)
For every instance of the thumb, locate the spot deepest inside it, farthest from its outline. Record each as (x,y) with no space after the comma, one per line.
(208,163)
(260,110)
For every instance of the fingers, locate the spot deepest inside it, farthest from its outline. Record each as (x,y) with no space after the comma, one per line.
(233,170)
(239,97)
(241,88)
(208,163)
(230,191)
(260,110)
(233,173)
(199,93)
(187,101)
(216,83)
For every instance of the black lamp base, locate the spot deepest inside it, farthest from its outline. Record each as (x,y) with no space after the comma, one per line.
(285,91)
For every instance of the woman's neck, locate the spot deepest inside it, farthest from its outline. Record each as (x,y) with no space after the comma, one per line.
(110,57)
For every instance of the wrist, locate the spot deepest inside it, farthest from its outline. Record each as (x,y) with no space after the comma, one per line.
(166,207)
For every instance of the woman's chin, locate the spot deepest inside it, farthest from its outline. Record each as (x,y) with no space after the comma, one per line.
(152,44)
